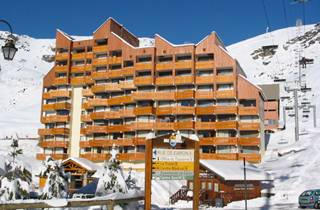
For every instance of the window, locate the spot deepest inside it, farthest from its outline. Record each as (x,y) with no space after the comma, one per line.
(164,73)
(128,63)
(101,68)
(165,58)
(249,118)
(114,67)
(101,55)
(184,72)
(209,185)
(144,58)
(204,72)
(101,42)
(247,102)
(78,50)
(226,149)
(249,133)
(204,57)
(166,103)
(226,102)
(224,86)
(205,87)
(226,133)
(208,149)
(227,117)
(186,103)
(143,73)
(203,185)
(250,149)
(205,103)
(183,57)
(116,53)
(222,72)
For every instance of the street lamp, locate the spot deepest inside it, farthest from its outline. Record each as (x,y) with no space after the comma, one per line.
(9,49)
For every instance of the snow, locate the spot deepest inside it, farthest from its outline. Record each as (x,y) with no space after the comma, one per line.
(90,166)
(146,42)
(231,170)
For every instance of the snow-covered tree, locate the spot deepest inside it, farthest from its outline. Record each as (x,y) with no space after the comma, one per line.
(56,180)
(16,181)
(112,178)
(131,181)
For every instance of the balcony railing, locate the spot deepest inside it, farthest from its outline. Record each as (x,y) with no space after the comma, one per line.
(55,118)
(57,94)
(249,126)
(143,81)
(204,80)
(56,106)
(53,144)
(205,65)
(53,131)
(99,49)
(248,111)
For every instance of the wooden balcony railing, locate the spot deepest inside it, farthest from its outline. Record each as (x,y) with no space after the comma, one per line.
(164,96)
(111,87)
(186,94)
(204,80)
(55,118)
(127,85)
(165,80)
(60,69)
(225,109)
(205,125)
(249,126)
(164,66)
(53,131)
(143,66)
(148,110)
(249,141)
(97,102)
(96,75)
(183,65)
(205,110)
(225,94)
(180,80)
(189,125)
(204,94)
(60,81)
(225,78)
(100,62)
(56,94)
(248,111)
(87,92)
(42,156)
(56,106)
(250,157)
(164,126)
(62,56)
(219,156)
(78,69)
(205,65)
(114,60)
(143,95)
(225,140)
(226,125)
(99,49)
(142,81)
(53,144)
(78,56)
(81,80)
(136,156)
(96,157)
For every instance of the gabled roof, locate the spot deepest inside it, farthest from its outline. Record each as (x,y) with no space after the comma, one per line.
(232,170)
(271,91)
(254,85)
(87,164)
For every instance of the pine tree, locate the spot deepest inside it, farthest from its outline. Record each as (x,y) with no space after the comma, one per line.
(16,181)
(112,180)
(56,180)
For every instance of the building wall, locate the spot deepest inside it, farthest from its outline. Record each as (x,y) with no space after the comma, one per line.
(128,92)
(271,111)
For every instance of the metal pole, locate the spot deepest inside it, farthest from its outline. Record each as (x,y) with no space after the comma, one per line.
(314,115)
(296,114)
(245,184)
(8,24)
(284,117)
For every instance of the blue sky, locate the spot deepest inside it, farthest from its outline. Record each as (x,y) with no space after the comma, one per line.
(179,21)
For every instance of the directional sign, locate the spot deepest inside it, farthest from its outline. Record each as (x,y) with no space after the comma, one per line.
(172,175)
(172,166)
(185,155)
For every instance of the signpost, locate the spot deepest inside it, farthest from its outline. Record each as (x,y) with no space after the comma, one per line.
(172,157)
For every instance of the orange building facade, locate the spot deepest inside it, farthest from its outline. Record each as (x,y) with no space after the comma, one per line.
(108,89)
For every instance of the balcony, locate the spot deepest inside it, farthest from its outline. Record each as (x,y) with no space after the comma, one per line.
(164,66)
(225,140)
(249,126)
(142,126)
(53,131)
(219,156)
(164,126)
(81,80)
(184,110)
(204,80)
(248,111)
(165,110)
(53,144)
(120,100)
(85,118)
(183,65)
(127,85)
(56,94)
(205,65)
(207,141)
(42,156)
(209,110)
(60,81)
(95,129)
(250,157)
(114,60)
(98,102)
(204,94)
(115,73)
(55,118)
(96,75)
(62,56)
(143,81)
(160,96)
(225,109)
(165,80)
(181,80)
(61,69)
(226,125)
(205,125)
(189,125)
(136,156)
(79,56)
(96,157)
(148,110)
(186,94)
(87,92)
(143,66)
(225,79)
(118,128)
(100,62)
(128,71)
(142,96)
(100,49)
(225,94)
(98,115)
(77,69)
(249,141)
(127,113)
(56,106)
(111,87)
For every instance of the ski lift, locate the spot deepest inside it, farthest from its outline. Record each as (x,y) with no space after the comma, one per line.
(305,103)
(305,89)
(305,116)
(291,115)
(305,111)
(276,79)
(288,108)
(304,61)
(284,97)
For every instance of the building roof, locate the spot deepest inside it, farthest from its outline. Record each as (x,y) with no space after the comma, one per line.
(232,170)
(87,164)
(271,91)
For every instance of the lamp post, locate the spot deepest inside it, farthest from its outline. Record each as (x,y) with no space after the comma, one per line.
(9,49)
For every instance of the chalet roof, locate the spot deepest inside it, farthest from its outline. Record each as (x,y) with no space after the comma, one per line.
(87,164)
(232,170)
(271,91)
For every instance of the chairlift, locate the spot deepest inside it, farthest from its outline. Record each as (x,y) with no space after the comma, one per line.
(276,79)
(291,115)
(288,108)
(304,61)
(305,116)
(306,111)
(305,89)
(284,97)
(305,103)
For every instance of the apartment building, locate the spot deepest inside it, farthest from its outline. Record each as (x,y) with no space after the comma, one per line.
(271,107)
(111,89)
